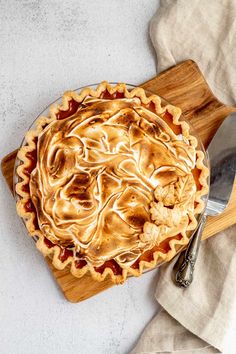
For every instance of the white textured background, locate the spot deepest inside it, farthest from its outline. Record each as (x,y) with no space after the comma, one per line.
(47,47)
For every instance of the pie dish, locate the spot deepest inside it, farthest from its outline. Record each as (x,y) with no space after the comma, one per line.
(110,182)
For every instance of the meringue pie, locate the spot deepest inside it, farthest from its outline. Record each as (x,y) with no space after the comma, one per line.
(111,182)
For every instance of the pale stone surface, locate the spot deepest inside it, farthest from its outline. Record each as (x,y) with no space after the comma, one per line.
(48,47)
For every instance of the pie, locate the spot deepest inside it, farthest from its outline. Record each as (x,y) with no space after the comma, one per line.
(111,182)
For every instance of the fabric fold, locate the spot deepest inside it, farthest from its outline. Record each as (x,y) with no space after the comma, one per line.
(198,317)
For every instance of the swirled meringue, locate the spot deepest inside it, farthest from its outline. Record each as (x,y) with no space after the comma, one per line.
(112,181)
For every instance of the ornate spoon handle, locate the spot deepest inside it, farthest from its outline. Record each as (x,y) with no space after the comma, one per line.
(184,266)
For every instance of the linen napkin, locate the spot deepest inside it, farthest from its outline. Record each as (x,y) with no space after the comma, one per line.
(196,319)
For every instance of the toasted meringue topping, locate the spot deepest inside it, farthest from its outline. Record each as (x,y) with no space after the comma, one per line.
(112,181)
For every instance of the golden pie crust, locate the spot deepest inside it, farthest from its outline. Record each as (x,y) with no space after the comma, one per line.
(111,182)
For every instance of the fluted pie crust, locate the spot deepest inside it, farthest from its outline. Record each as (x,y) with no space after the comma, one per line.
(111,182)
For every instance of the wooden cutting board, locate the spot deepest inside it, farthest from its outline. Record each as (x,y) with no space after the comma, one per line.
(184,86)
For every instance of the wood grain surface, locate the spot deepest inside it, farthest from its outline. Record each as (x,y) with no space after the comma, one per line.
(184,86)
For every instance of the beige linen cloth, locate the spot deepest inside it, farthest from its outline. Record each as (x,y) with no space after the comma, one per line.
(195,320)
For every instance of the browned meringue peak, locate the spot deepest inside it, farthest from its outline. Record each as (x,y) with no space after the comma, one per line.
(99,172)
